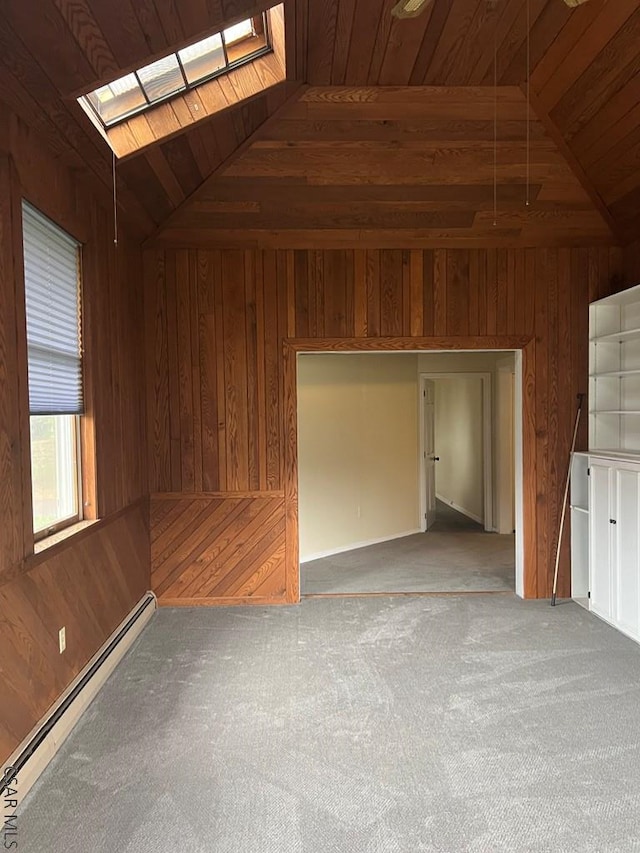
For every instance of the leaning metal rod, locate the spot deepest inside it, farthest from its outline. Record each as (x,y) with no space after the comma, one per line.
(564,501)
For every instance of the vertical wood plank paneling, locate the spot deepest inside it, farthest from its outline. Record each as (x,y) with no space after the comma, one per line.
(579,329)
(542,414)
(273,354)
(281,334)
(235,370)
(417,293)
(221,396)
(246,315)
(440,292)
(502,321)
(290,452)
(360,300)
(12,544)
(253,480)
(491,279)
(372,279)
(518,289)
(157,374)
(474,293)
(184,310)
(566,394)
(428,316)
(458,288)
(291,288)
(316,269)
(261,375)
(175,438)
(349,298)
(301,288)
(554,401)
(529,293)
(93,579)
(530,470)
(207,372)
(335,284)
(391,302)
(195,381)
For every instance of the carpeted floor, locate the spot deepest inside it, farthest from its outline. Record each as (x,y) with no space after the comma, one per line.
(449,520)
(356,725)
(455,555)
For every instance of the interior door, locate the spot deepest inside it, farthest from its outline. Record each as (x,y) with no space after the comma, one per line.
(601,562)
(626,586)
(430,458)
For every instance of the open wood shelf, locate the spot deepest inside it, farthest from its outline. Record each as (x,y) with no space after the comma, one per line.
(614,403)
(617,337)
(614,373)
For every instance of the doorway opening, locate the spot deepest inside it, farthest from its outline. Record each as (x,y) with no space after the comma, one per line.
(375,513)
(456,467)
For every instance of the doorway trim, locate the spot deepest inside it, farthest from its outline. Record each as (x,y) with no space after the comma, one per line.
(487,442)
(526,547)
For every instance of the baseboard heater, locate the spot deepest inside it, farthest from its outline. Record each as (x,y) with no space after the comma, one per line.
(41,744)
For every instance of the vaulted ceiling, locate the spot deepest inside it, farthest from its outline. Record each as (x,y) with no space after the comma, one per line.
(585,132)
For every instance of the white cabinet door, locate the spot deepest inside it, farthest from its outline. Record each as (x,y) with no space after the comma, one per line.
(625,578)
(601,563)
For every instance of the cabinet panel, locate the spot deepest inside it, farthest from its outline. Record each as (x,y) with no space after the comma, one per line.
(626,585)
(601,540)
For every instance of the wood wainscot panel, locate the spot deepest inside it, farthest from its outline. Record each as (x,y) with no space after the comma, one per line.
(207,549)
(88,583)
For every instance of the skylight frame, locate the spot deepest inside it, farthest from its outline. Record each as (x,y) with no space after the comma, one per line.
(229,66)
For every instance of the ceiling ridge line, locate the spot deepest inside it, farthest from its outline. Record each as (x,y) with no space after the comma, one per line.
(573,163)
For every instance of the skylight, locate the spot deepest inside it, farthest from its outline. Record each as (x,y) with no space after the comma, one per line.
(178,72)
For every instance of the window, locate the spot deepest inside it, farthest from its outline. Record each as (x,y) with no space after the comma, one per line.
(178,71)
(52,292)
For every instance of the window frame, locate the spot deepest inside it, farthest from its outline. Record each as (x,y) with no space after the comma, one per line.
(84,446)
(63,523)
(260,24)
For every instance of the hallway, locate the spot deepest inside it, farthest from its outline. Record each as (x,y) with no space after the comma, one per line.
(455,555)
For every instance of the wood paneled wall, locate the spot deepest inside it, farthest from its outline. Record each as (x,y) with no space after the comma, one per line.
(217,321)
(631,264)
(90,582)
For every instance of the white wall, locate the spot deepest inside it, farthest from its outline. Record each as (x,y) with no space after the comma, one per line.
(358,449)
(459,444)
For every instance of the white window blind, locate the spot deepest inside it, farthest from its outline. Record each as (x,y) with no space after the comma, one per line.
(52,290)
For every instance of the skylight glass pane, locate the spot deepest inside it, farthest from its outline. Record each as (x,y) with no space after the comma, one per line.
(117,99)
(238,31)
(203,58)
(161,78)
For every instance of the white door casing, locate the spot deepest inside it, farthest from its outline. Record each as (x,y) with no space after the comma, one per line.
(430,459)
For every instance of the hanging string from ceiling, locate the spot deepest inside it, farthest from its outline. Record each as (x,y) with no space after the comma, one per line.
(493,7)
(115,200)
(528,187)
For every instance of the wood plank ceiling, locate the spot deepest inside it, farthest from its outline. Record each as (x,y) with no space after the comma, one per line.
(393,166)
(585,78)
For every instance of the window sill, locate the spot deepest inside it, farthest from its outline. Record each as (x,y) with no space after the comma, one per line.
(42,544)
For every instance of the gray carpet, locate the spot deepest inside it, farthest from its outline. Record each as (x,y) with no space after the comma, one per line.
(424,562)
(449,520)
(356,725)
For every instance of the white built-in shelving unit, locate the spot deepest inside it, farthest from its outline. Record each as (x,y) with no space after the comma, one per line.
(614,373)
(605,481)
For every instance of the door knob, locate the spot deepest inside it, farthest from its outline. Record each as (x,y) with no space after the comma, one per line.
(435,458)
(612,521)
